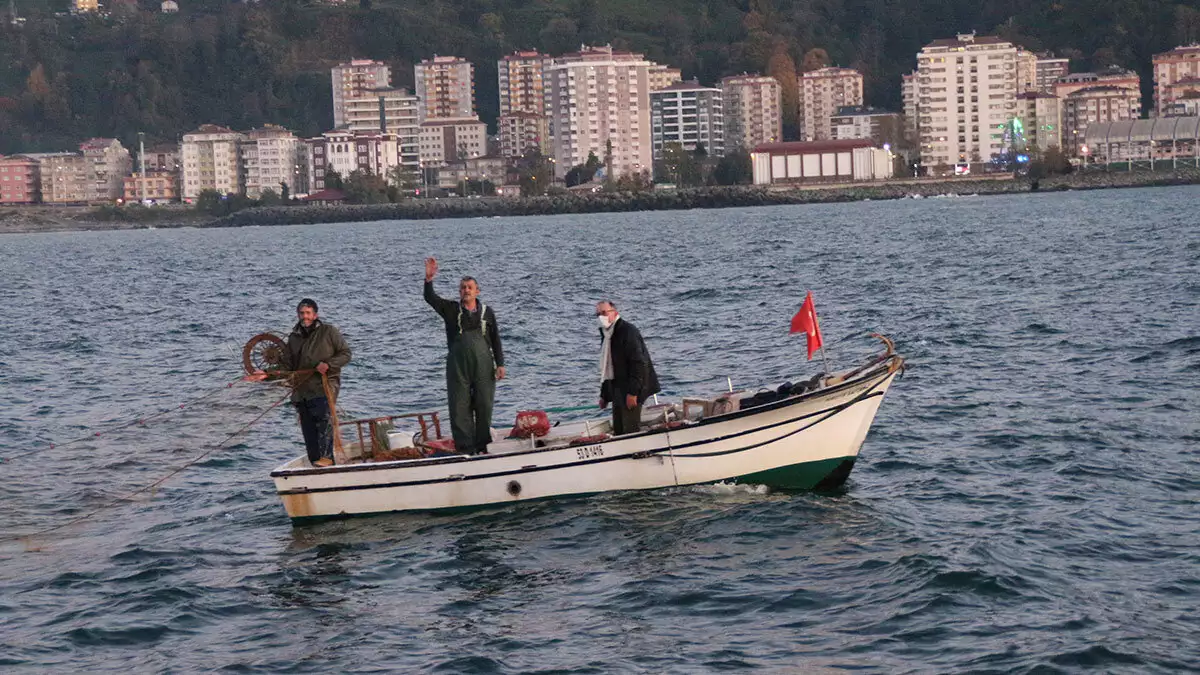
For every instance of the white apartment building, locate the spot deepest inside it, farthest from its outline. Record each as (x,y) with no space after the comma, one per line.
(822,92)
(450,140)
(446,87)
(690,115)
(1175,74)
(272,157)
(881,127)
(394,111)
(966,93)
(753,111)
(1026,71)
(351,80)
(600,98)
(210,160)
(1041,116)
(345,152)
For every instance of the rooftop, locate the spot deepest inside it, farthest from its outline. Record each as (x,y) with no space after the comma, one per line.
(810,147)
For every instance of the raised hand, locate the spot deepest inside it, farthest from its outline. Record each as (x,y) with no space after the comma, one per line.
(430,269)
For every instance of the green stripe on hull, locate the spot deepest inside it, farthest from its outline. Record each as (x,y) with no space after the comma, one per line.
(825,474)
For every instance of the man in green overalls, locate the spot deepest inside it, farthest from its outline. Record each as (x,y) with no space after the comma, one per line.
(474,364)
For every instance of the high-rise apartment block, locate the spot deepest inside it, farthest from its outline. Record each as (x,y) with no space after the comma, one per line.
(908,94)
(822,92)
(394,111)
(599,102)
(524,125)
(521,79)
(689,115)
(1109,77)
(271,158)
(1176,73)
(1101,103)
(966,92)
(352,80)
(446,87)
(753,111)
(211,160)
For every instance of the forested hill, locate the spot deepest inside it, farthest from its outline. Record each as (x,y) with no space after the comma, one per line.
(239,64)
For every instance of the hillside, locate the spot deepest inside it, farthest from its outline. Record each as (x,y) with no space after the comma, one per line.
(65,78)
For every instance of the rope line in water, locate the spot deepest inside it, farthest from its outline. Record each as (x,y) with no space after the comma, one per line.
(27,538)
(139,421)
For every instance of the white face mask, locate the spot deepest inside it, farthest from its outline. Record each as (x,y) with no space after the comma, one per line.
(603,321)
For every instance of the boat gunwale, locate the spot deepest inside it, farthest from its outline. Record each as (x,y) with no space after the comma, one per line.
(883,368)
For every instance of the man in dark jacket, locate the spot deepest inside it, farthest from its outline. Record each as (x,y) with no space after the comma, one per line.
(474,363)
(627,376)
(319,346)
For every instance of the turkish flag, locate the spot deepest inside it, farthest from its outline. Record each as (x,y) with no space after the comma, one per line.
(805,321)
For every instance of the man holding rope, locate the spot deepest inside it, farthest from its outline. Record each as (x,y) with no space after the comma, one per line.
(315,346)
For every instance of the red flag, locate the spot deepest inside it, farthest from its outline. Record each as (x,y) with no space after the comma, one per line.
(805,321)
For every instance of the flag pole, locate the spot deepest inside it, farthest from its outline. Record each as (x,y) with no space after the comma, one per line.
(824,356)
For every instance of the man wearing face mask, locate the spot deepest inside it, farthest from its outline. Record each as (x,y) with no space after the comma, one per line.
(627,376)
(474,363)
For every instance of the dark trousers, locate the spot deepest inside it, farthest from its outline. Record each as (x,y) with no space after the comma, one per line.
(317,429)
(625,421)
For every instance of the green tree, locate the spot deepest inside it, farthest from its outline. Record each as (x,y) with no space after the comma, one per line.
(269,197)
(679,166)
(364,187)
(535,174)
(333,180)
(733,169)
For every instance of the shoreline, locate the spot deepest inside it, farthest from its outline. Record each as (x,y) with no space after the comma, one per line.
(37,219)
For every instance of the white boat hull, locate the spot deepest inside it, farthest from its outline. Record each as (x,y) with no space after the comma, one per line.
(803,442)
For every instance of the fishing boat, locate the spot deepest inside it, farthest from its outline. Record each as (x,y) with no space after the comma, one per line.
(805,436)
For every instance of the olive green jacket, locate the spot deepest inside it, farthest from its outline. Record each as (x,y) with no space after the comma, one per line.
(322,343)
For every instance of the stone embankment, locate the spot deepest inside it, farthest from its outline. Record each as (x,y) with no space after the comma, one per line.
(60,219)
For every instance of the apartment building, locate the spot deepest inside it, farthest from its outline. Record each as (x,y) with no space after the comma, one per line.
(1041,117)
(352,80)
(109,163)
(524,124)
(210,160)
(66,177)
(20,180)
(395,111)
(822,92)
(446,87)
(1091,105)
(966,93)
(689,115)
(271,158)
(1109,77)
(908,94)
(753,111)
(661,77)
(1175,74)
(599,103)
(345,152)
(449,140)
(523,132)
(882,127)
(155,186)
(1049,71)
